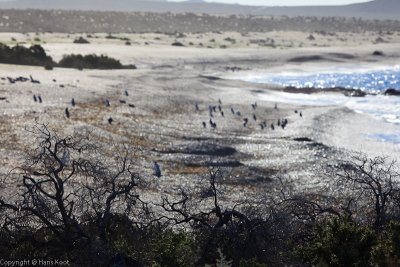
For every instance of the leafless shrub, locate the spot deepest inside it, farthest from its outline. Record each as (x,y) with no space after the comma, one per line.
(70,193)
(373,184)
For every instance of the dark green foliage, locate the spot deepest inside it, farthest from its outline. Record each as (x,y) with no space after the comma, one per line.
(339,243)
(81,40)
(48,66)
(110,36)
(92,62)
(174,249)
(251,263)
(107,220)
(154,246)
(34,55)
(177,44)
(387,252)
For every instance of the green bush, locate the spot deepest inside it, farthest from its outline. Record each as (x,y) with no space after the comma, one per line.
(81,40)
(34,55)
(387,252)
(177,44)
(92,62)
(174,249)
(339,243)
(251,263)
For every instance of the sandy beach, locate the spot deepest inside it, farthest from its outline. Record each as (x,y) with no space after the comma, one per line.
(164,125)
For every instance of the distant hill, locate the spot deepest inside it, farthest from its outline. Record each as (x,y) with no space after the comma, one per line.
(195,1)
(378,9)
(72,21)
(130,5)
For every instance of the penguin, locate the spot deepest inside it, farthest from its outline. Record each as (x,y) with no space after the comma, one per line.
(156,169)
(245,121)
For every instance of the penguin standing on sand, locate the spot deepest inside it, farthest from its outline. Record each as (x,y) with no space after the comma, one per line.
(245,121)
(156,169)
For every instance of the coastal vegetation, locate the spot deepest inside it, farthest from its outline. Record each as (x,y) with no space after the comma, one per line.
(92,62)
(21,55)
(76,203)
(35,55)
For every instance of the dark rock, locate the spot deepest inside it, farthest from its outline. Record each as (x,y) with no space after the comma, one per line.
(354,93)
(392,91)
(378,53)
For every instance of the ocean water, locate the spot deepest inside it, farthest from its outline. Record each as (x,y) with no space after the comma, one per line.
(386,137)
(374,81)
(379,106)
